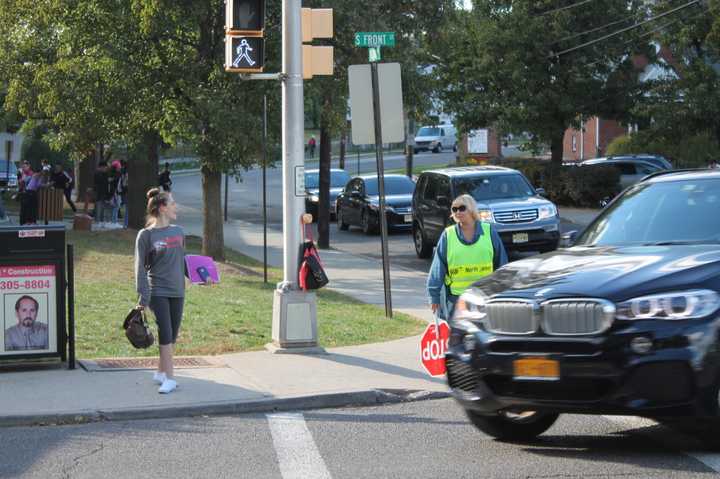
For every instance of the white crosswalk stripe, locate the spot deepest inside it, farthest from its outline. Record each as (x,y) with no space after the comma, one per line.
(298,456)
(678,441)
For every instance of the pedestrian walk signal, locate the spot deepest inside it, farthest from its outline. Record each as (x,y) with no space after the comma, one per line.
(245,16)
(244,54)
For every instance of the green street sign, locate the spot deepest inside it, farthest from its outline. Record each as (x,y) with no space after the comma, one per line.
(374,54)
(375,39)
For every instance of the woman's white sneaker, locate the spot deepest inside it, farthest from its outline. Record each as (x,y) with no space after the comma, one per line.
(168,386)
(159,378)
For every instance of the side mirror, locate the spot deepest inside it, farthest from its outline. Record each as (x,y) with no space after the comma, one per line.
(541,191)
(443,201)
(568,239)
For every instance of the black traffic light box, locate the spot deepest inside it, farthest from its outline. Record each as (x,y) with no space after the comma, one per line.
(244,54)
(245,16)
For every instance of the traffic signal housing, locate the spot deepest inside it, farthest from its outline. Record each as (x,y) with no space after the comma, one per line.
(244,36)
(246,17)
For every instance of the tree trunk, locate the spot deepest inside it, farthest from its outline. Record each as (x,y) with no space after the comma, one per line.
(142,175)
(84,176)
(323,219)
(213,241)
(556,147)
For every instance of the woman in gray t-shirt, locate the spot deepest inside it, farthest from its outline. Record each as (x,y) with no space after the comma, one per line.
(161,245)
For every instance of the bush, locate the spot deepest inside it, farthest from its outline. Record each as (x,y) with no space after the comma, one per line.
(695,151)
(589,185)
(622,145)
(576,186)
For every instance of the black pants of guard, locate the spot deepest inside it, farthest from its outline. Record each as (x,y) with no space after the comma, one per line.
(168,316)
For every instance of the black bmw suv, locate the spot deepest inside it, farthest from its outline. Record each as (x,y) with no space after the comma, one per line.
(625,321)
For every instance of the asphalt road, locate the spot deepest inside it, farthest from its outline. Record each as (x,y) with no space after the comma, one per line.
(245,203)
(429,439)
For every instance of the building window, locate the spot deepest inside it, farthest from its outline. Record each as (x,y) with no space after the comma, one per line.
(574,143)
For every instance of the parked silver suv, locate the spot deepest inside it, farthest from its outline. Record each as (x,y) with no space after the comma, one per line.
(524,219)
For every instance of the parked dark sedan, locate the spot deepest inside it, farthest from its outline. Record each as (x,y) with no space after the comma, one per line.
(625,321)
(338,180)
(358,204)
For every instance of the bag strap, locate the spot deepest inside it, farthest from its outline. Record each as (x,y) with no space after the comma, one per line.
(307,232)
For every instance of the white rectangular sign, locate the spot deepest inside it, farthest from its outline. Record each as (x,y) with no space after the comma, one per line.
(391,104)
(478,141)
(299,181)
(29,316)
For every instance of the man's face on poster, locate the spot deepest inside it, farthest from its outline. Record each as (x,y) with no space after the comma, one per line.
(26,313)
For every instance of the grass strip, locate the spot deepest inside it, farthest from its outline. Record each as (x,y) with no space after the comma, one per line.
(233,316)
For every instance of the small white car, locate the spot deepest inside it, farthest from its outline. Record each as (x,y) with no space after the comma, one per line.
(436,139)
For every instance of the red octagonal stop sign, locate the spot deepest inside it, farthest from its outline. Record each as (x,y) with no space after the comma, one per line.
(433,347)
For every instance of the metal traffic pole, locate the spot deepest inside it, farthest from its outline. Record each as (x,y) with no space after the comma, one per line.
(264,189)
(293,126)
(381,188)
(294,323)
(226,197)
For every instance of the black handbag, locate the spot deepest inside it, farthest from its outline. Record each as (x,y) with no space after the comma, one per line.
(137,329)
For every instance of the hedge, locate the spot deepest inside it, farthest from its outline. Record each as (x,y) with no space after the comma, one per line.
(578,186)
(696,151)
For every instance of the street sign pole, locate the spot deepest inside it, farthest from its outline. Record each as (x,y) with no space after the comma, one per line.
(381,187)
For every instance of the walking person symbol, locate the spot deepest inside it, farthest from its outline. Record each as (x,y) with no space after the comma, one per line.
(243,51)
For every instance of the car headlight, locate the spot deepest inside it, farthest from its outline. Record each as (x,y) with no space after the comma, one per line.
(314,198)
(547,211)
(678,305)
(470,308)
(486,215)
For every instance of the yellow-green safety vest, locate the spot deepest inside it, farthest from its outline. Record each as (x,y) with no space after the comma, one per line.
(467,263)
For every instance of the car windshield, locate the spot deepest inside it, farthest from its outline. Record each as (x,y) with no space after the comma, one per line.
(492,187)
(338,179)
(428,131)
(673,212)
(394,185)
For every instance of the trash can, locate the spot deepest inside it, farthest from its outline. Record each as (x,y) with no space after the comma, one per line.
(32,293)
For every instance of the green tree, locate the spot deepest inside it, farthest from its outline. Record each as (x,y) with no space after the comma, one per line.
(415,25)
(682,107)
(514,65)
(141,73)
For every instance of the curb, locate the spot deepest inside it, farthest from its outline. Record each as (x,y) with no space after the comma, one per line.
(371,397)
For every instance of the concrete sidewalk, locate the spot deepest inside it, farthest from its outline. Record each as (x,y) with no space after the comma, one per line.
(248,382)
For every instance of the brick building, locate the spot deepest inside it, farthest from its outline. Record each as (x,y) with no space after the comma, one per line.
(592,140)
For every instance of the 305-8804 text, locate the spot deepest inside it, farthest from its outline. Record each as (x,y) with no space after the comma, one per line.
(26,284)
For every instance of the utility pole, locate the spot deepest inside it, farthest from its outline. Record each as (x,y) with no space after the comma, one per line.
(294,326)
(294,320)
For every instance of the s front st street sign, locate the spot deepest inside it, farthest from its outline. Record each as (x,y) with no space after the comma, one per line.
(375,39)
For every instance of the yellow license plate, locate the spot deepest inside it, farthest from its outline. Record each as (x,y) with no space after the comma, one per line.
(536,368)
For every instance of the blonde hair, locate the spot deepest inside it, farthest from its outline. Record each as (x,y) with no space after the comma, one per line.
(469,203)
(156,198)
